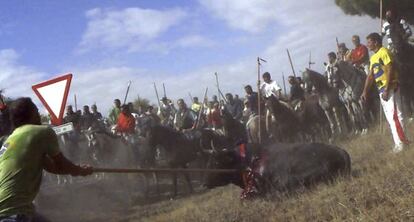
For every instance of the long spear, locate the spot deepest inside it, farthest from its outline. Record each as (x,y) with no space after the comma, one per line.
(218,89)
(165,92)
(284,85)
(201,110)
(310,60)
(259,97)
(381,111)
(126,94)
(191,97)
(291,63)
(76,104)
(158,98)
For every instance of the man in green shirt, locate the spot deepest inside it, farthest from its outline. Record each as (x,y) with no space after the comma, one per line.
(115,111)
(27,151)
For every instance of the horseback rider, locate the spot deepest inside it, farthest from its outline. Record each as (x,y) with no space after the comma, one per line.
(185,118)
(252,99)
(344,54)
(331,71)
(297,94)
(126,122)
(392,18)
(196,106)
(87,119)
(269,88)
(234,107)
(166,112)
(94,111)
(360,55)
(213,117)
(115,111)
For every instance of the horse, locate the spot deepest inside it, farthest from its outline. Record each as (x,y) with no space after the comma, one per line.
(287,127)
(306,122)
(234,130)
(404,57)
(353,85)
(328,99)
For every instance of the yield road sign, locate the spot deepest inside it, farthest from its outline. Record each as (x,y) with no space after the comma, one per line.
(53,94)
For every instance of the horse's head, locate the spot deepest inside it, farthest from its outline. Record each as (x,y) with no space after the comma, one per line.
(307,80)
(314,81)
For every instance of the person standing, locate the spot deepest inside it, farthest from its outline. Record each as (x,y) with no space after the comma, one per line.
(28,150)
(385,76)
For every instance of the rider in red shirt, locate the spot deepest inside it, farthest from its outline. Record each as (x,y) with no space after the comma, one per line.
(359,55)
(126,122)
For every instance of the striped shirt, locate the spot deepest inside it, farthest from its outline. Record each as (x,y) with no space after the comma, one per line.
(387,34)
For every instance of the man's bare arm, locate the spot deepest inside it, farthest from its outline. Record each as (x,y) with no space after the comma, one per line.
(58,164)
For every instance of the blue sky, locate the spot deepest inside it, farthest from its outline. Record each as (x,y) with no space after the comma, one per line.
(181,43)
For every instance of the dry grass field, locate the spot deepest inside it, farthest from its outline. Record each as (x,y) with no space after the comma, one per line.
(381,189)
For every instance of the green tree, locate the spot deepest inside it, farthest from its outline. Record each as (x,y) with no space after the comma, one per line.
(141,103)
(405,8)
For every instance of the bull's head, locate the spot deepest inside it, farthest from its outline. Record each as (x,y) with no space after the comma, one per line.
(223,158)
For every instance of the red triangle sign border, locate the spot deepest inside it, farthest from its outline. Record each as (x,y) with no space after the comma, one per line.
(56,119)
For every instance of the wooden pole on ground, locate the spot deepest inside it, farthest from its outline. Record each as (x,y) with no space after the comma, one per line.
(163,170)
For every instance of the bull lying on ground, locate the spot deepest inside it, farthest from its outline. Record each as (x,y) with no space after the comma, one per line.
(279,167)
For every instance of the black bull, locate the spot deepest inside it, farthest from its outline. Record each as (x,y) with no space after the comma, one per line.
(281,167)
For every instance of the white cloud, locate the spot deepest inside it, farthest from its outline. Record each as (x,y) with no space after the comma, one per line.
(247,15)
(130,28)
(194,41)
(14,78)
(307,26)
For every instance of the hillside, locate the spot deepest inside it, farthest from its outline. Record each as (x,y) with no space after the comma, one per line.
(381,189)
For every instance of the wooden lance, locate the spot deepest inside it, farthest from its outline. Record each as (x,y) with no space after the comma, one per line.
(162,170)
(284,84)
(291,63)
(127,91)
(158,98)
(259,96)
(201,110)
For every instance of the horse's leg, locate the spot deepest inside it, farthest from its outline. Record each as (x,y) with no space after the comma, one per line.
(351,114)
(338,118)
(361,117)
(331,122)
